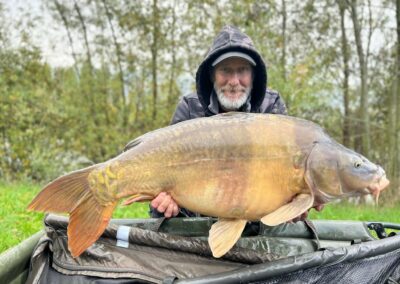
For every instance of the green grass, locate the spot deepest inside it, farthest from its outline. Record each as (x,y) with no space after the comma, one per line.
(16,223)
(348,211)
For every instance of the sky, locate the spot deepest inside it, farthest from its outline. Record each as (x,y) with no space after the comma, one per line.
(51,38)
(46,36)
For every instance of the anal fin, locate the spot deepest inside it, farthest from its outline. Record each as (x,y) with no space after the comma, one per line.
(293,209)
(138,198)
(224,234)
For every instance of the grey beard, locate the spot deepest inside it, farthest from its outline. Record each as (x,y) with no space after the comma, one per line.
(229,104)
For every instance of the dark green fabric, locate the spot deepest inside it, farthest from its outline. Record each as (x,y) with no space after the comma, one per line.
(178,250)
(14,263)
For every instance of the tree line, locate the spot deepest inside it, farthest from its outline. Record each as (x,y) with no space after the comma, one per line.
(336,63)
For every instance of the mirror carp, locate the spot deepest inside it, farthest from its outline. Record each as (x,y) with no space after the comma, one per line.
(238,167)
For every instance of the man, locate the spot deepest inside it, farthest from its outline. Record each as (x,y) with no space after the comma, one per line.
(232,77)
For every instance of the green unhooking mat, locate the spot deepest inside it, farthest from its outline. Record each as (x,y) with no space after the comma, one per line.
(176,251)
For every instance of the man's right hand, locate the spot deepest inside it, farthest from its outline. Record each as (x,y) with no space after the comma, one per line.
(164,203)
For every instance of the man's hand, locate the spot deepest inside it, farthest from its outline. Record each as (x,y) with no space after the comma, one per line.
(164,203)
(304,216)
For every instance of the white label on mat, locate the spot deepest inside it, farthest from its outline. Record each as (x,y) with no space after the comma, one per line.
(123,236)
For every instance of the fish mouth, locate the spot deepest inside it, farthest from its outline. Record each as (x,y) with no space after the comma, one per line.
(378,185)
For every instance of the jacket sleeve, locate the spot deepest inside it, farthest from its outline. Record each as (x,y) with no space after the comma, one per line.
(181,112)
(279,107)
(273,103)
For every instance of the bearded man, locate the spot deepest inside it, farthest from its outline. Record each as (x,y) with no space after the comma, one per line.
(232,77)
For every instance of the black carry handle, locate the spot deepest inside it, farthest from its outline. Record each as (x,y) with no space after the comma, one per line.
(379,228)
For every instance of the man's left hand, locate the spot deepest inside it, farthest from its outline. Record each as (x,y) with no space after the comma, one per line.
(164,203)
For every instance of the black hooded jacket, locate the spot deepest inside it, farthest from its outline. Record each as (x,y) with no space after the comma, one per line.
(199,104)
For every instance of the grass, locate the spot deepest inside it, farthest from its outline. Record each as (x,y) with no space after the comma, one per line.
(17,224)
(349,211)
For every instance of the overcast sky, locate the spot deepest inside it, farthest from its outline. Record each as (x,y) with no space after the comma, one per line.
(52,39)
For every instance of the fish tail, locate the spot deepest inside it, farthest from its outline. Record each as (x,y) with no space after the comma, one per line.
(87,222)
(88,217)
(63,194)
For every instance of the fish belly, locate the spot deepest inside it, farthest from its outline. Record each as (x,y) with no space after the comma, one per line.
(236,188)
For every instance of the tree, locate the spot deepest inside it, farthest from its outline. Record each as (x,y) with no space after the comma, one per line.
(118,51)
(364,127)
(62,11)
(394,106)
(346,74)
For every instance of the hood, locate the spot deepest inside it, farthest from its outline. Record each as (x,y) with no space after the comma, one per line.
(231,39)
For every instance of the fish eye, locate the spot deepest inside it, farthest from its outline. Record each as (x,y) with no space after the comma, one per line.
(357,164)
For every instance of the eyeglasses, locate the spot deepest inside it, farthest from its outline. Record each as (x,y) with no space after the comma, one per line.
(228,71)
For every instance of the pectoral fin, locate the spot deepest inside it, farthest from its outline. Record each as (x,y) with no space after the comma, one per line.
(224,234)
(299,205)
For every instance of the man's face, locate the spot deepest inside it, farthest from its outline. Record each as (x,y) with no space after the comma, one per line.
(233,81)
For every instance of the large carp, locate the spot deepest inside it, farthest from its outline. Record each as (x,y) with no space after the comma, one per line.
(235,166)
